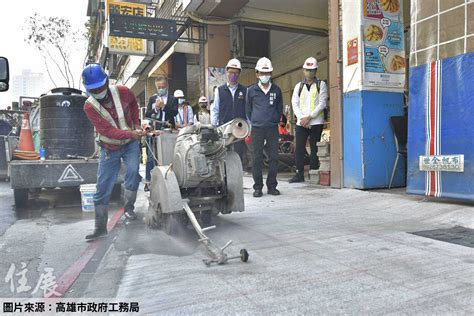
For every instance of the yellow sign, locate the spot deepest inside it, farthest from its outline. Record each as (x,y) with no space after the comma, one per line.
(126,45)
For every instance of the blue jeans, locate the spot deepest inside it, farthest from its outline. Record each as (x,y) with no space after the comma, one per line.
(109,169)
(150,163)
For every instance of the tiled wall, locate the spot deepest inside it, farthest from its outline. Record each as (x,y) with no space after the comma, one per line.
(440,29)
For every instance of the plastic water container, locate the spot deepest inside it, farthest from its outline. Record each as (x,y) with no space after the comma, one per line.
(87,197)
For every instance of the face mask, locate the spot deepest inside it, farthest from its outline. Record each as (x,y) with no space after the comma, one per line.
(232,77)
(180,101)
(264,79)
(162,92)
(310,74)
(100,96)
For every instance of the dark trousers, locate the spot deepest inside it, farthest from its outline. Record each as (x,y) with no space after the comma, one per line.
(150,161)
(265,138)
(302,134)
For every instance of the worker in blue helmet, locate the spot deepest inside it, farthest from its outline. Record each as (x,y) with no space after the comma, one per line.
(114,112)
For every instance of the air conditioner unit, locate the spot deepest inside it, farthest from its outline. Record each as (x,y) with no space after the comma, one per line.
(250,44)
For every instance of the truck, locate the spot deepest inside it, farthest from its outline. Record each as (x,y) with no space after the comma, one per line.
(67,139)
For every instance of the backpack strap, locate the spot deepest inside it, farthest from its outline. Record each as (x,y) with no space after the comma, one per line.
(301,88)
(302,83)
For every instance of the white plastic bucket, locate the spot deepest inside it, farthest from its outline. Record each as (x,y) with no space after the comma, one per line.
(87,197)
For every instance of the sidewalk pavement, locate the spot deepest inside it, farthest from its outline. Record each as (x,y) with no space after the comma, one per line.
(312,250)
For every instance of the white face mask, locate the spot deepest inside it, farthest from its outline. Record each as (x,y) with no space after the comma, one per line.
(99,96)
(181,101)
(264,79)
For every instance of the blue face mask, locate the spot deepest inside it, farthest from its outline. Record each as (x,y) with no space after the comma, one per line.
(180,101)
(264,79)
(162,92)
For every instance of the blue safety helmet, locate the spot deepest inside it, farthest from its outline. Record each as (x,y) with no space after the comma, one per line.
(93,76)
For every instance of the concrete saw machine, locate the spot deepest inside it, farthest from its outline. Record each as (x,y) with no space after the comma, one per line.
(203,180)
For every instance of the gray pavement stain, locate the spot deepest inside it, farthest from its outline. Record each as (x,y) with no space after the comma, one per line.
(456,235)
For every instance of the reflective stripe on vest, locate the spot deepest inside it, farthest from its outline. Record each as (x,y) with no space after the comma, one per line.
(106,115)
(314,94)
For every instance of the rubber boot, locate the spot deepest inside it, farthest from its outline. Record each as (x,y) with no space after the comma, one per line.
(101,217)
(130,197)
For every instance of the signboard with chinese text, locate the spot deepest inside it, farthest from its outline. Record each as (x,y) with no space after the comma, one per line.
(126,45)
(142,27)
(383,45)
(450,163)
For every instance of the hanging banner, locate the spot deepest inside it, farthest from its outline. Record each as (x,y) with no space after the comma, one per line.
(126,45)
(384,61)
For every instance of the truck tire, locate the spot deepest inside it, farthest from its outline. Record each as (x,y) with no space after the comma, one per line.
(21,197)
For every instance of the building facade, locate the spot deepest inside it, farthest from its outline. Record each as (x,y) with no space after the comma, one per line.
(367,50)
(31,84)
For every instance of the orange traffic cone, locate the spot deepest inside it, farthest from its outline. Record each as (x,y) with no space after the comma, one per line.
(26,149)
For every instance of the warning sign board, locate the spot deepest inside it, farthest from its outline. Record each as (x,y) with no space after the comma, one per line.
(70,175)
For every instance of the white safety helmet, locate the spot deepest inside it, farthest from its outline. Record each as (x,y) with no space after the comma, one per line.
(202,99)
(234,63)
(264,65)
(310,63)
(178,94)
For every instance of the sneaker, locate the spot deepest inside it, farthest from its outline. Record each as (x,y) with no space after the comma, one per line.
(297,178)
(273,191)
(257,193)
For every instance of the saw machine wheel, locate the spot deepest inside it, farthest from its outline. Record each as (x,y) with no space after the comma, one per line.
(153,216)
(165,197)
(244,255)
(234,182)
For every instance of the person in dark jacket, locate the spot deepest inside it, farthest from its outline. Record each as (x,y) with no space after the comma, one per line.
(229,101)
(161,110)
(264,107)
(162,106)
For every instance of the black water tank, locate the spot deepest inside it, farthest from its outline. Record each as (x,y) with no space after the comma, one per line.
(5,129)
(65,128)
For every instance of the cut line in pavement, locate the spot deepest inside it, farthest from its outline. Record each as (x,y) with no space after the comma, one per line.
(67,279)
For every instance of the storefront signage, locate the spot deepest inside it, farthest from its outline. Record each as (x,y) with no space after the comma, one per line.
(452,163)
(142,27)
(384,45)
(126,45)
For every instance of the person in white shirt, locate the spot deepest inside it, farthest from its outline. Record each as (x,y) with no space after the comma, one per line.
(185,115)
(308,101)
